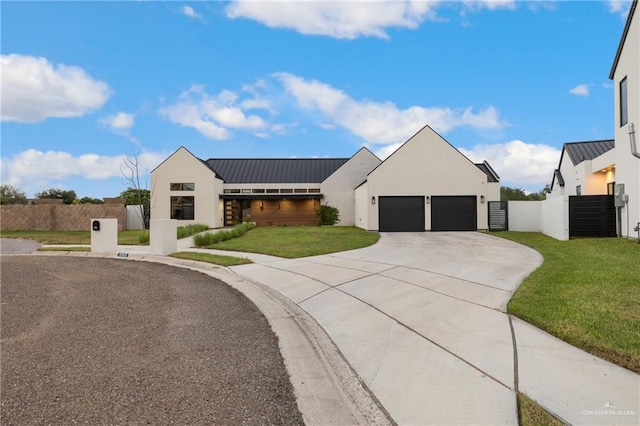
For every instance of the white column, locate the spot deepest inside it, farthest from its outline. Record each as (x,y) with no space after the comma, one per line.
(163,237)
(104,235)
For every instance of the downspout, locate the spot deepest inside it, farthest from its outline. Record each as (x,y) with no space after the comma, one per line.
(632,140)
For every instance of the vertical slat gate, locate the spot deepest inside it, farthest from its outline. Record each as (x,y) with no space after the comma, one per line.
(592,216)
(498,215)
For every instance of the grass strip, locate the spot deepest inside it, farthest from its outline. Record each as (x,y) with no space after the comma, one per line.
(586,293)
(69,248)
(211,258)
(300,241)
(532,414)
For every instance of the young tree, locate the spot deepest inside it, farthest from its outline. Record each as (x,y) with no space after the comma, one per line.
(131,170)
(67,196)
(11,195)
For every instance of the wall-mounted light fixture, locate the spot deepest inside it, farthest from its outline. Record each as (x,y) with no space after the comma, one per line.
(373,200)
(428,199)
(482,198)
(261,205)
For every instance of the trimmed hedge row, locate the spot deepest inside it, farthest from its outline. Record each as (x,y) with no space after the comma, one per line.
(210,238)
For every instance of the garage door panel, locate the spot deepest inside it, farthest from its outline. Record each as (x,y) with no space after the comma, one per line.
(401,214)
(453,213)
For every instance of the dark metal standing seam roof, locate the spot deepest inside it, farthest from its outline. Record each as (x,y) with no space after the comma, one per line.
(581,151)
(275,170)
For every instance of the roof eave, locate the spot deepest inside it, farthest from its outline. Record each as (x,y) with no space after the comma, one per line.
(623,39)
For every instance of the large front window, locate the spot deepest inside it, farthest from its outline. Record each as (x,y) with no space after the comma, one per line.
(182,208)
(624,106)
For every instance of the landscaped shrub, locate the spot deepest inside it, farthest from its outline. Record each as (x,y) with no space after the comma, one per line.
(194,228)
(143,238)
(328,215)
(209,238)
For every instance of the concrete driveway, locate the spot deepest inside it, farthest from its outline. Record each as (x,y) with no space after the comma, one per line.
(421,318)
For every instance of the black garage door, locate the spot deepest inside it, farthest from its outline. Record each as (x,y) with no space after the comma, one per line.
(453,213)
(401,214)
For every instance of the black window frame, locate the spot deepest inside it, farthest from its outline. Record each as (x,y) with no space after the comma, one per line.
(624,102)
(182,186)
(183,207)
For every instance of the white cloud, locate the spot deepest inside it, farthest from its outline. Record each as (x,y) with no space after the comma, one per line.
(33,170)
(381,122)
(344,19)
(188,11)
(119,121)
(518,163)
(33,89)
(213,116)
(476,5)
(580,90)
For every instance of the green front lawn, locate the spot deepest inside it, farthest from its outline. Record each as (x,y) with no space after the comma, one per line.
(299,241)
(211,258)
(68,237)
(587,293)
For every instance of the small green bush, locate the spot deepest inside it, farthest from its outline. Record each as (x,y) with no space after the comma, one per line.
(143,237)
(210,238)
(194,228)
(328,215)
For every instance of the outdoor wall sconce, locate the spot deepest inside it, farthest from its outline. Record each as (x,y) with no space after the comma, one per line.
(428,199)
(261,205)
(482,199)
(373,200)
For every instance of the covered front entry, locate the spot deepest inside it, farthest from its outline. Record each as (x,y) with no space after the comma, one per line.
(401,214)
(269,210)
(453,213)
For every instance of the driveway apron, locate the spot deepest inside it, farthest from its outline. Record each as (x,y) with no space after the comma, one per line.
(421,318)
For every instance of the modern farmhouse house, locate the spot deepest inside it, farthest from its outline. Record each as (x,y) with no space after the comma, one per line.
(426,184)
(611,167)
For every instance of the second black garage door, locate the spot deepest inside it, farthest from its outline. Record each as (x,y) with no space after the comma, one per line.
(401,214)
(454,213)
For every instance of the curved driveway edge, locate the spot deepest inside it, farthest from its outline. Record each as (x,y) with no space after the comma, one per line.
(421,318)
(17,246)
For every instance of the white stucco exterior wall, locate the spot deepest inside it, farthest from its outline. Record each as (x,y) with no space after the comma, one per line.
(338,188)
(555,217)
(362,207)
(525,216)
(628,166)
(184,167)
(427,165)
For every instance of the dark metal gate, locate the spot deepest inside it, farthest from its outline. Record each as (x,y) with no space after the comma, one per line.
(592,216)
(498,216)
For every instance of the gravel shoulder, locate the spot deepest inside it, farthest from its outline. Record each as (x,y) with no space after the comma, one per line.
(99,341)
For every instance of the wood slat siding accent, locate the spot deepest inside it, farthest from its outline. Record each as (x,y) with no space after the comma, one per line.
(285,212)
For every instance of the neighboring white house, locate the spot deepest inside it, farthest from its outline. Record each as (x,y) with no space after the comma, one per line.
(425,185)
(599,167)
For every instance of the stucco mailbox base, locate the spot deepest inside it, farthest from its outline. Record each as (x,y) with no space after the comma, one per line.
(163,236)
(104,235)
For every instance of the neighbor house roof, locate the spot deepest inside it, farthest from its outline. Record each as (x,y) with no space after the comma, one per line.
(492,176)
(623,38)
(558,175)
(581,151)
(274,170)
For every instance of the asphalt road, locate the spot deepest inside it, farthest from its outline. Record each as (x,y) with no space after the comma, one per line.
(108,341)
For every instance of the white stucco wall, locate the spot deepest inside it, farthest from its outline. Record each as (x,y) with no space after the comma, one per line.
(628,166)
(554,215)
(183,167)
(361,207)
(525,216)
(493,191)
(427,165)
(338,189)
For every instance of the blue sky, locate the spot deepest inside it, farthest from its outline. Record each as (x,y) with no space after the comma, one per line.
(84,83)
